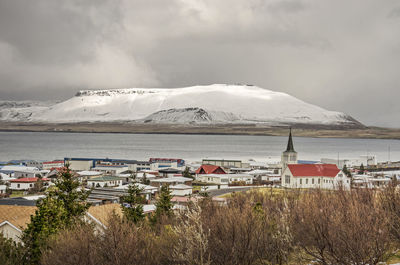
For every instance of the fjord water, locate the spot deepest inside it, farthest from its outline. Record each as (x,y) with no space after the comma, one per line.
(48,145)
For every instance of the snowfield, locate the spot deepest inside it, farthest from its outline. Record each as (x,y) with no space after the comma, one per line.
(217,103)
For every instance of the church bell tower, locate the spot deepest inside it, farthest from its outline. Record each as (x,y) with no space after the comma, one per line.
(289,156)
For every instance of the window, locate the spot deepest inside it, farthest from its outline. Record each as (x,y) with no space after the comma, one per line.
(312,180)
(301,181)
(18,185)
(319,181)
(287,179)
(306,181)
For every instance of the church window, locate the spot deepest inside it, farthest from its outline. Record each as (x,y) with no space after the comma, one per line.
(287,179)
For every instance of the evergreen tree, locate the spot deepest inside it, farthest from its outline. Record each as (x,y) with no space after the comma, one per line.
(362,170)
(145,180)
(346,171)
(131,204)
(61,208)
(186,173)
(164,204)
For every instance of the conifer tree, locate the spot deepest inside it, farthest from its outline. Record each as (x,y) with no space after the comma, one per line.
(62,207)
(145,180)
(164,204)
(186,173)
(131,204)
(362,169)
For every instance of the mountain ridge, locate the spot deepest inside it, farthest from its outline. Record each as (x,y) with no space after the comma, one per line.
(213,104)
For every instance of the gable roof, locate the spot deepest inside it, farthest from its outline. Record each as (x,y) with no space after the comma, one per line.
(209,169)
(19,216)
(314,170)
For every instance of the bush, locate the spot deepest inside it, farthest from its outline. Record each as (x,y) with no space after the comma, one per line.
(293,227)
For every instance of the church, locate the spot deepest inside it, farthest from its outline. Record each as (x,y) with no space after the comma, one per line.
(308,176)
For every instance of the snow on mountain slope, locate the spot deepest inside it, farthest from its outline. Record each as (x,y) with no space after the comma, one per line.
(191,115)
(21,110)
(198,104)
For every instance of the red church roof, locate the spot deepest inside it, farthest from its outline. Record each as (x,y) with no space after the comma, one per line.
(314,170)
(210,169)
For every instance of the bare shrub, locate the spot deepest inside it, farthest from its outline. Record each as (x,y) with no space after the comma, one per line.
(245,232)
(192,239)
(390,199)
(74,246)
(341,227)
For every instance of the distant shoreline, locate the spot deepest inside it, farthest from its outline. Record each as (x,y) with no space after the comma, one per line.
(316,131)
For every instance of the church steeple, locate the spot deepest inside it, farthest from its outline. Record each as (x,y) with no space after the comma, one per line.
(289,156)
(290,147)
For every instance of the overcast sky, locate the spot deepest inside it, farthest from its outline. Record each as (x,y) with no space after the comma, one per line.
(339,54)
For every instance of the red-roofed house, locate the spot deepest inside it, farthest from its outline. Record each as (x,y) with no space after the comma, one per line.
(26,183)
(210,169)
(324,176)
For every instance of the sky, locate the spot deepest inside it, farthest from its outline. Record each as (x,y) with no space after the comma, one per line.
(342,55)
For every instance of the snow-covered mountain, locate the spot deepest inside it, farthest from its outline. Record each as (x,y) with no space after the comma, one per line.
(217,103)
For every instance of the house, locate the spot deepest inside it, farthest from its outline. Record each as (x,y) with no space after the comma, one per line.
(3,189)
(53,164)
(170,172)
(167,162)
(210,169)
(27,173)
(324,176)
(225,179)
(87,174)
(104,181)
(14,219)
(26,183)
(6,177)
(147,190)
(170,181)
(110,169)
(368,181)
(180,190)
(227,163)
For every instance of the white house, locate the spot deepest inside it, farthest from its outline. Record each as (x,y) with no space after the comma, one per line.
(225,179)
(26,173)
(8,230)
(26,183)
(3,189)
(170,181)
(110,169)
(181,190)
(104,181)
(324,176)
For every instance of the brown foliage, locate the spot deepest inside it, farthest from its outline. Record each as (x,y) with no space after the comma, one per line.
(335,227)
(341,227)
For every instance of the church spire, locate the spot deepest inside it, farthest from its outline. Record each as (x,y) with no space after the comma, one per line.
(290,142)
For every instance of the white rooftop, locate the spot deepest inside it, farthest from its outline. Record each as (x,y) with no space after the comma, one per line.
(89,173)
(180,187)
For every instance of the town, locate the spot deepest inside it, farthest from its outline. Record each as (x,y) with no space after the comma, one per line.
(25,182)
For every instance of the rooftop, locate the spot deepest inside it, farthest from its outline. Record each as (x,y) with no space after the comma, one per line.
(314,170)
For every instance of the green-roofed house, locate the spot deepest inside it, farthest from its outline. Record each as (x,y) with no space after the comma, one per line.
(104,181)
